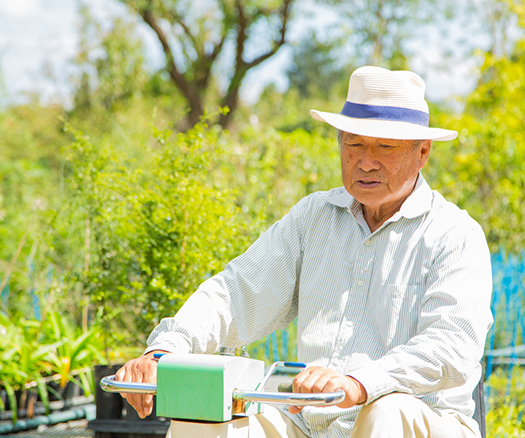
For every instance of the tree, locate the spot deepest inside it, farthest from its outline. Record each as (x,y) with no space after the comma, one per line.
(111,64)
(365,32)
(377,30)
(318,78)
(482,170)
(498,18)
(194,38)
(317,68)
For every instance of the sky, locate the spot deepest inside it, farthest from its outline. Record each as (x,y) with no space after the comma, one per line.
(39,39)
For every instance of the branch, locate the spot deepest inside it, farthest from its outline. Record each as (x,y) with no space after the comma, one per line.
(203,64)
(241,35)
(217,49)
(178,19)
(177,77)
(241,67)
(207,63)
(285,13)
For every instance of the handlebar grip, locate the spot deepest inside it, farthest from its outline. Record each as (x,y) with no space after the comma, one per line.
(295,364)
(110,384)
(291,398)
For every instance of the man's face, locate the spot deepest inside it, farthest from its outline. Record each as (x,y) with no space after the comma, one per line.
(380,173)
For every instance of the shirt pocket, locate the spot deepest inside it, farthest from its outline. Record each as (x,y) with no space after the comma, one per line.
(396,311)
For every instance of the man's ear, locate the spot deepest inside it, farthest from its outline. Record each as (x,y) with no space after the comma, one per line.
(425,152)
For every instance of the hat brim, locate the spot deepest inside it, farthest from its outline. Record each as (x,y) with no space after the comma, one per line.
(383,128)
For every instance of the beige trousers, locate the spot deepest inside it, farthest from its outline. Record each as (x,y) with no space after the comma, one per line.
(404,416)
(392,416)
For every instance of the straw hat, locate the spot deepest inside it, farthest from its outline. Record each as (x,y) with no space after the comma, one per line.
(385,104)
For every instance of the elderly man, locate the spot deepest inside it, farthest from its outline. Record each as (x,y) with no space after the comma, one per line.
(390,284)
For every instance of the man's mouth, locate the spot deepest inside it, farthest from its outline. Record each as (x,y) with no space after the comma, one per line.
(368,183)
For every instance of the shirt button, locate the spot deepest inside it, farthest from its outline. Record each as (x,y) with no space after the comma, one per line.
(360,283)
(319,427)
(368,243)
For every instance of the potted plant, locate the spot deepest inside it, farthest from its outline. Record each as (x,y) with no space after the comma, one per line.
(70,356)
(23,360)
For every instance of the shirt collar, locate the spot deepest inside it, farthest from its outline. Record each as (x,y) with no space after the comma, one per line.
(418,202)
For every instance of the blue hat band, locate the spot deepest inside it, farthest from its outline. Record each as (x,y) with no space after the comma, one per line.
(360,111)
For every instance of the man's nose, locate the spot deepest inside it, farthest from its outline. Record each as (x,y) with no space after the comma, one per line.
(368,160)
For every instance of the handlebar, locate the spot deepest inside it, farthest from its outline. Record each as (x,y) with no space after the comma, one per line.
(110,384)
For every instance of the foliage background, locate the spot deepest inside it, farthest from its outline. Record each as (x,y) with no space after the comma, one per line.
(114,208)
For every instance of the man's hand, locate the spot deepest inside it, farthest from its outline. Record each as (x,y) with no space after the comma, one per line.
(141,370)
(319,379)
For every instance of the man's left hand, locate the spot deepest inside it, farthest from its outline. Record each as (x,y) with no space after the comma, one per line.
(319,379)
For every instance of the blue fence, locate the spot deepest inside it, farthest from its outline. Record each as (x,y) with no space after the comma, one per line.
(505,345)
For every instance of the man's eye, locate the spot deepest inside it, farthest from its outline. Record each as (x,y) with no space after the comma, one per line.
(386,146)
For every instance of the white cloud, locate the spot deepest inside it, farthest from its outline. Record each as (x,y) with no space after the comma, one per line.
(19,8)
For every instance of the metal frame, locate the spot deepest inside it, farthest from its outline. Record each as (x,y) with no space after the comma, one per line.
(479,413)
(110,384)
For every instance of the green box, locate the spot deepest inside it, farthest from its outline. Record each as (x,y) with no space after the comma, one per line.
(200,386)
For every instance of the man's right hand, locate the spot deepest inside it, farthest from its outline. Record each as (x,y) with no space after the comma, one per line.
(141,370)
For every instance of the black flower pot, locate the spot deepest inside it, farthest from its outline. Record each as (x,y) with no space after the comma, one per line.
(109,405)
(67,392)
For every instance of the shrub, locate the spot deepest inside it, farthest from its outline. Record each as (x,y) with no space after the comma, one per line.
(505,416)
(157,225)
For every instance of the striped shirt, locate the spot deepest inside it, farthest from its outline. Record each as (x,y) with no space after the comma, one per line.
(403,309)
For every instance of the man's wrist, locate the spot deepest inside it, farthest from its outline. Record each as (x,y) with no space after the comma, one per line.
(360,390)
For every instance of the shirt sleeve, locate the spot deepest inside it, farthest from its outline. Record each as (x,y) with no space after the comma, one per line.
(453,322)
(256,294)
